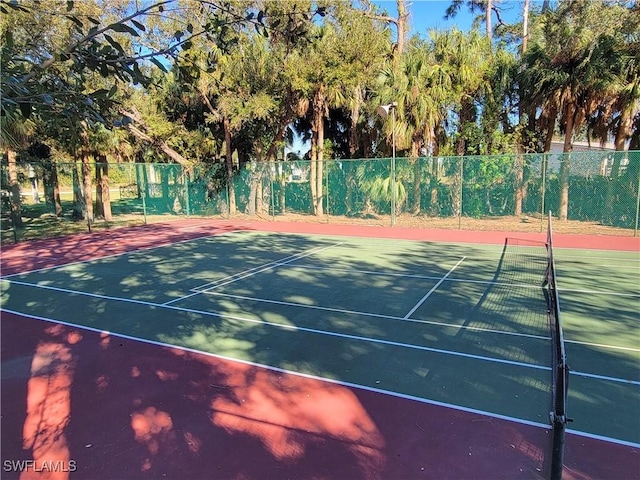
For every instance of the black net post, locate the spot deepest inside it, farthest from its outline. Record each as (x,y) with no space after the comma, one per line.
(560,381)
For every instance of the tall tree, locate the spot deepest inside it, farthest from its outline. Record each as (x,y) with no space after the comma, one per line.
(53,76)
(420,107)
(401,22)
(485,8)
(568,72)
(14,135)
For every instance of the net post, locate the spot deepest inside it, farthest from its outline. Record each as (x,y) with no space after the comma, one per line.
(560,371)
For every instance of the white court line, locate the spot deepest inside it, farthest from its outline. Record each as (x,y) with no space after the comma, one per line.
(274,262)
(295,256)
(598,292)
(618,267)
(269,267)
(87,294)
(184,297)
(287,372)
(323,332)
(602,438)
(379,315)
(297,328)
(465,280)
(250,273)
(327,380)
(602,345)
(564,258)
(421,277)
(428,294)
(605,377)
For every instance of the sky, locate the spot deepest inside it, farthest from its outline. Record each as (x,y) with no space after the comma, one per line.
(429,14)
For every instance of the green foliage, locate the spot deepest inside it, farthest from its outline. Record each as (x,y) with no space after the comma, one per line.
(191,74)
(51,75)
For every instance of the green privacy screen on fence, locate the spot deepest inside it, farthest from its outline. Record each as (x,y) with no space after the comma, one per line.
(596,186)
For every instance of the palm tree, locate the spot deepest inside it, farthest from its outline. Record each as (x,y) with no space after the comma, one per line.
(325,76)
(210,85)
(416,88)
(567,73)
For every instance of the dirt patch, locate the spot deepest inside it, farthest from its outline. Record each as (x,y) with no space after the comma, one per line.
(524,223)
(51,226)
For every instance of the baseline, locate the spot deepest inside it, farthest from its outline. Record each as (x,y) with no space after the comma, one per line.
(294,327)
(315,331)
(291,372)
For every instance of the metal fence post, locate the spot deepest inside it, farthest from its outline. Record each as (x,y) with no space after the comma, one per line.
(186,192)
(543,166)
(635,230)
(144,206)
(228,199)
(272,177)
(461,173)
(325,172)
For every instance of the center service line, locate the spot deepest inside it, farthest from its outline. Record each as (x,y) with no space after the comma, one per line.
(423,299)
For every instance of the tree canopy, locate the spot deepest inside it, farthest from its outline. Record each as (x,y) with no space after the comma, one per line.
(213,80)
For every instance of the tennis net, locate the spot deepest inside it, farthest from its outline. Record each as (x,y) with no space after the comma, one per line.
(560,381)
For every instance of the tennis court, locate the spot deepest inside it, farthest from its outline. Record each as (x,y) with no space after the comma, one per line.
(448,329)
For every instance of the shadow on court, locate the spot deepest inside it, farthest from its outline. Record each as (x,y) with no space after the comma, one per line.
(37,254)
(116,408)
(122,409)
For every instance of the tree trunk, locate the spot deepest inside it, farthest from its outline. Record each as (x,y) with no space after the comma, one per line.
(86,180)
(51,186)
(229,164)
(78,195)
(402,24)
(320,169)
(547,122)
(433,184)
(14,188)
(488,18)
(317,148)
(563,206)
(103,197)
(228,160)
(625,129)
(417,174)
(354,132)
(260,189)
(313,174)
(525,25)
(253,190)
(354,145)
(160,144)
(519,184)
(282,180)
(466,115)
(99,201)
(623,132)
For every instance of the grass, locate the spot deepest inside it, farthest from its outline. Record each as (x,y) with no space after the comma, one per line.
(39,221)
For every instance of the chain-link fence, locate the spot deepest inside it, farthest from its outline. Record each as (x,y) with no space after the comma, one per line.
(595,186)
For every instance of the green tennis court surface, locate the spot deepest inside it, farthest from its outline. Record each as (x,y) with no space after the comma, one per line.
(459,324)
